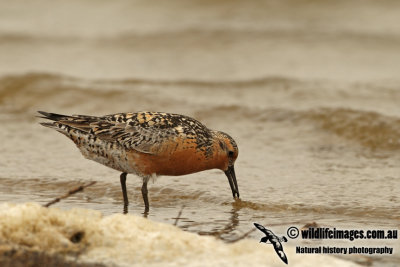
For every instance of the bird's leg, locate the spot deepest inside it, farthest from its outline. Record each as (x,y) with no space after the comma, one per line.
(145,197)
(124,194)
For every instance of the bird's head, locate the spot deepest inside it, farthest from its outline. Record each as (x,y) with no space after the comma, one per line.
(227,153)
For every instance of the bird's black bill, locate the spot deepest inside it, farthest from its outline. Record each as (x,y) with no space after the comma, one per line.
(230,173)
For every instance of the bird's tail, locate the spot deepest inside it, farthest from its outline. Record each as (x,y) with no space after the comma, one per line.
(53,116)
(79,122)
(75,127)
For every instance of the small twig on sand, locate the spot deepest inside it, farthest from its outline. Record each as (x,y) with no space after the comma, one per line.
(70,192)
(240,237)
(179,216)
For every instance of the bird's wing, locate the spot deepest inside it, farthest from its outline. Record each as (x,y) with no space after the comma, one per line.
(279,250)
(136,137)
(264,230)
(147,131)
(260,227)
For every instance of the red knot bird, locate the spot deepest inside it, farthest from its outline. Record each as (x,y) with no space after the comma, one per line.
(149,144)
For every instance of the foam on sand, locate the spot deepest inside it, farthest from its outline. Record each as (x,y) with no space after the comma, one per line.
(85,236)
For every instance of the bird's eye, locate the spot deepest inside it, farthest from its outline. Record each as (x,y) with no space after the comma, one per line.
(230,154)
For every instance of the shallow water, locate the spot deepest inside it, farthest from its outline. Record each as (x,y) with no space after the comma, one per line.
(311,99)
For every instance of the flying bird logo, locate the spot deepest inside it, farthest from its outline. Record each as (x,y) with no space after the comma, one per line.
(274,240)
